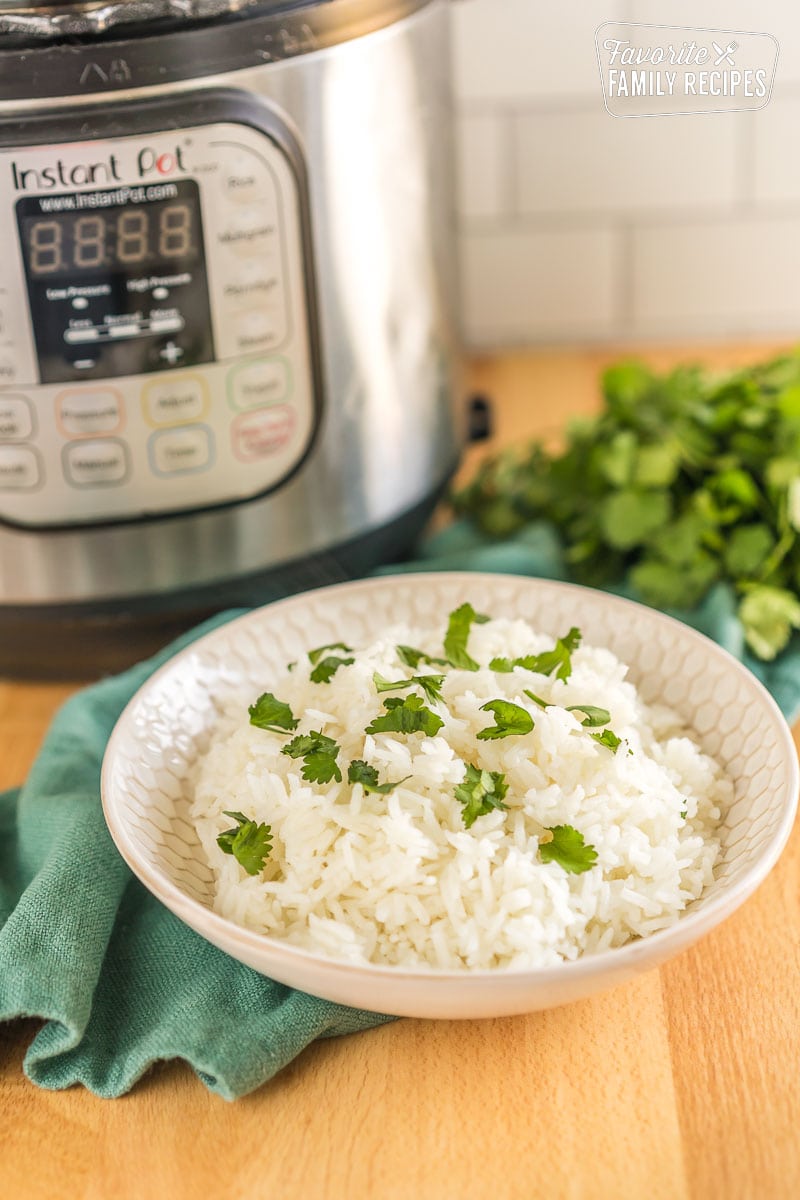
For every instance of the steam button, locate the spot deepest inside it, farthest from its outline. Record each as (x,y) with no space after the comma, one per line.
(20,470)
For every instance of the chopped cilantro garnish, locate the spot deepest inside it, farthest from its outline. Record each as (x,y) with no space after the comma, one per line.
(361,772)
(319,756)
(327,667)
(408,715)
(248,842)
(480,793)
(683,813)
(509,718)
(412,658)
(315,655)
(430,684)
(607,738)
(559,659)
(455,640)
(568,849)
(270,713)
(593,716)
(537,699)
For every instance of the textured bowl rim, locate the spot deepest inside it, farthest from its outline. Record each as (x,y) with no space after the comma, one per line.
(659,945)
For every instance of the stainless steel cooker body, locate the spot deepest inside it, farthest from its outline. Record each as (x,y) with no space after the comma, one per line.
(276,396)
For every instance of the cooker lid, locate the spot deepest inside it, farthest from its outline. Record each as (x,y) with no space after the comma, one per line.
(35,21)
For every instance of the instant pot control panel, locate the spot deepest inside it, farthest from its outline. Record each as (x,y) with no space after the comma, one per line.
(156,323)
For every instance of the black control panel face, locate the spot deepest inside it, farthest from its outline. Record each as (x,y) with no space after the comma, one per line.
(116,280)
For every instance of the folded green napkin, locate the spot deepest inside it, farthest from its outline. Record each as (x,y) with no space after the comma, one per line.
(119,981)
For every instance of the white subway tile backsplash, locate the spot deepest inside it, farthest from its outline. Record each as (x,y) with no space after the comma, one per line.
(483,165)
(776,168)
(591,162)
(730,275)
(778,17)
(520,286)
(509,50)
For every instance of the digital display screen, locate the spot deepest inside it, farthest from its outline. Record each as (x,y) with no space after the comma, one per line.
(136,237)
(116,280)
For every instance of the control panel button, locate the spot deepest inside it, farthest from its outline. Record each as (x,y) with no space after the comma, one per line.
(181,451)
(254,384)
(251,231)
(258,281)
(100,463)
(263,432)
(175,400)
(20,469)
(244,179)
(260,330)
(16,419)
(84,412)
(8,370)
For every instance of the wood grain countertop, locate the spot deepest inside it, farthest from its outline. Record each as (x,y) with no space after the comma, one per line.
(682,1084)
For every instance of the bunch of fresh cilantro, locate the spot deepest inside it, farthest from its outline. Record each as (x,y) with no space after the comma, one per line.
(683,480)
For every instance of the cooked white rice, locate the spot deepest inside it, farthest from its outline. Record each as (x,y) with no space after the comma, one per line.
(399,880)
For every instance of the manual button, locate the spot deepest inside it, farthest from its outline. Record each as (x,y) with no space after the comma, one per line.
(16,419)
(181,451)
(100,463)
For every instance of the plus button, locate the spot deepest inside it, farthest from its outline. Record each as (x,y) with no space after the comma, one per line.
(171,353)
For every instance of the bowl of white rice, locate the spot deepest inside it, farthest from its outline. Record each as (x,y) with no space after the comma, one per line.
(451,795)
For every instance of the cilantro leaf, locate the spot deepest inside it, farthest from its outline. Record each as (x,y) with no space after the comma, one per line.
(628,517)
(327,667)
(537,699)
(593,716)
(408,715)
(559,659)
(361,772)
(480,793)
(607,738)
(510,719)
(412,658)
(430,684)
(768,615)
(568,849)
(503,666)
(249,842)
(315,655)
(455,640)
(270,713)
(319,756)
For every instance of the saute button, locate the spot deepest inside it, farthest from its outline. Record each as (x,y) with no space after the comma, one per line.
(262,433)
(101,463)
(176,399)
(180,451)
(16,419)
(83,412)
(19,469)
(265,381)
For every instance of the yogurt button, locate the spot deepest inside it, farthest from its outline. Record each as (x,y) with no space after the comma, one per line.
(265,381)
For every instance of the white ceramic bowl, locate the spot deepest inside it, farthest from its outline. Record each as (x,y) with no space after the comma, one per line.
(169,721)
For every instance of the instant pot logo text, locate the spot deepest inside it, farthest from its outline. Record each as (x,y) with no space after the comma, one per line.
(148,163)
(666,70)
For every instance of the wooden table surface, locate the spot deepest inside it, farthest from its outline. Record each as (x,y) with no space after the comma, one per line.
(684,1083)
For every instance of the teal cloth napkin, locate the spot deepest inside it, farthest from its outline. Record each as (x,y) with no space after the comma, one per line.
(119,982)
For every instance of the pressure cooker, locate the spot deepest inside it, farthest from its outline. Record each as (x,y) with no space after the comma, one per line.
(226,354)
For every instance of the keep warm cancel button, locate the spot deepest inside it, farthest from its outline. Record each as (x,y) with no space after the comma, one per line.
(263,432)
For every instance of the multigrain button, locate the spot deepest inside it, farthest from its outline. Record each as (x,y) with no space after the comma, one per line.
(175,400)
(181,451)
(262,433)
(20,469)
(99,463)
(85,412)
(254,384)
(16,419)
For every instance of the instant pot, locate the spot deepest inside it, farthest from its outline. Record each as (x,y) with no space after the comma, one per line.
(225,294)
